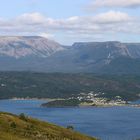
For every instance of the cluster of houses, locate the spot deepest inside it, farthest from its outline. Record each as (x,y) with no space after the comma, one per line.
(96,99)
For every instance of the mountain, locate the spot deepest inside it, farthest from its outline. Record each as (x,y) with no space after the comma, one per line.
(34,53)
(13,127)
(19,53)
(23,46)
(97,57)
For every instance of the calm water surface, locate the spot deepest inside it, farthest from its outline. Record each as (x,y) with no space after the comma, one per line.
(113,123)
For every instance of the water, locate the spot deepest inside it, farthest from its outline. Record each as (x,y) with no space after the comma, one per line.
(113,123)
(136,102)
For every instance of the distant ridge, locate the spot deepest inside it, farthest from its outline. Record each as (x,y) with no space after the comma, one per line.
(22,46)
(34,53)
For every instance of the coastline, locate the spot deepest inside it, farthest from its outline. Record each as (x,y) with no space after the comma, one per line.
(45,99)
(82,105)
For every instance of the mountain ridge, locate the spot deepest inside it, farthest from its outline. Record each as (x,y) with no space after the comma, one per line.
(21,46)
(34,53)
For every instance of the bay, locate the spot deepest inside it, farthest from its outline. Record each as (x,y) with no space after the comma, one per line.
(110,123)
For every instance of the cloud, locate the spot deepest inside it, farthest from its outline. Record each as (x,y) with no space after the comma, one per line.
(82,26)
(112,17)
(114,3)
(31,18)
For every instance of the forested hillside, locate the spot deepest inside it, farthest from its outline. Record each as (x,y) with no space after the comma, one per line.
(58,85)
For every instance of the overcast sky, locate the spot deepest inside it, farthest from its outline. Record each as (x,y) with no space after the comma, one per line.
(68,21)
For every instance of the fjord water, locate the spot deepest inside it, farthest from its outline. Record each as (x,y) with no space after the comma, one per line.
(112,123)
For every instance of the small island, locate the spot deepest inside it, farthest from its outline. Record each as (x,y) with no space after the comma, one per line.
(62,103)
(86,101)
(68,103)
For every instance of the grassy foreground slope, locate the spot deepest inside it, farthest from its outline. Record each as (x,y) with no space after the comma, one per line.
(14,127)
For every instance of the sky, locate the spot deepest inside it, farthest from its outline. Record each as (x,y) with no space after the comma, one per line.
(69,21)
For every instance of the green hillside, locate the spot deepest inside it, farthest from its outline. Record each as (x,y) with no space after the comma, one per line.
(14,127)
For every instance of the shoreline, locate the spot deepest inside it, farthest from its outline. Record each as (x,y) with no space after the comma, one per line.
(45,99)
(80,105)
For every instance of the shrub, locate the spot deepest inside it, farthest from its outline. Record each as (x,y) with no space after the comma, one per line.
(22,117)
(70,127)
(13,125)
